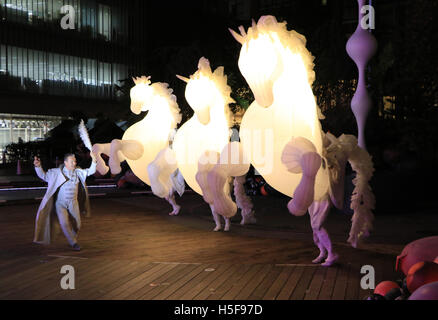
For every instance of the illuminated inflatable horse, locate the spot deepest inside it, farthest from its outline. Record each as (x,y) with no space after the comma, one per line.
(282,136)
(148,139)
(201,145)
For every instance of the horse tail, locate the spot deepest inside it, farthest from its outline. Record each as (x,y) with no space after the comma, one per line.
(362,199)
(160,171)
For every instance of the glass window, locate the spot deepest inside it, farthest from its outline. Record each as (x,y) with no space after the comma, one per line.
(3,67)
(104,21)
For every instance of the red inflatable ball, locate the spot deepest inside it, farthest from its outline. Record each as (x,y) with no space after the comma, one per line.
(425,249)
(385,286)
(427,292)
(420,274)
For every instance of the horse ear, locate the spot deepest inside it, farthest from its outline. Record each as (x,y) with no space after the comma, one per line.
(183,78)
(237,36)
(135,80)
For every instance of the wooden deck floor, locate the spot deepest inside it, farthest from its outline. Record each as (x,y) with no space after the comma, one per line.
(39,278)
(139,252)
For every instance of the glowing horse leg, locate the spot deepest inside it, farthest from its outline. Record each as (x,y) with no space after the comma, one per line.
(160,175)
(304,193)
(97,150)
(122,150)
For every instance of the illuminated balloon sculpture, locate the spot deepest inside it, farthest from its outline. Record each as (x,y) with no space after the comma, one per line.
(282,136)
(361,47)
(146,139)
(200,144)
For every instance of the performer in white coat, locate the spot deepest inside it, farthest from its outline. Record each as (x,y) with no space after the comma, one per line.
(66,198)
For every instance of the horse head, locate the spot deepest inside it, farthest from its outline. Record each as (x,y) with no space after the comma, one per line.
(141,94)
(207,90)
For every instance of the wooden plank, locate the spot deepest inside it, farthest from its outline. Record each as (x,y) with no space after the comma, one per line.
(291,283)
(254,283)
(316,284)
(84,273)
(239,285)
(302,286)
(165,294)
(29,288)
(94,280)
(226,285)
(278,283)
(206,282)
(134,284)
(161,283)
(353,284)
(134,269)
(265,285)
(10,281)
(341,283)
(208,291)
(328,284)
(179,294)
(12,263)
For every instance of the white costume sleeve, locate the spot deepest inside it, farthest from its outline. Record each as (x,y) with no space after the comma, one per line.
(42,174)
(92,169)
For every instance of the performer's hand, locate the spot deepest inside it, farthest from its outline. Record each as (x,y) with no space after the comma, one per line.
(37,162)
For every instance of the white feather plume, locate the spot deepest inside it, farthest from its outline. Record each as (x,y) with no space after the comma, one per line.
(83,133)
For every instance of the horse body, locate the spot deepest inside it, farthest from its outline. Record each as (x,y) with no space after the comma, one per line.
(153,134)
(283,121)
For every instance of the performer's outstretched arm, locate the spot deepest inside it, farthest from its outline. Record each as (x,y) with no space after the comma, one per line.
(92,169)
(39,170)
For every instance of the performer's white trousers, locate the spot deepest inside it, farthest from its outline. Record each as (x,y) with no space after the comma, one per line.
(67,210)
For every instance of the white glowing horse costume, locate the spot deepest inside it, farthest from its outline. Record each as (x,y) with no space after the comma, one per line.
(147,139)
(299,159)
(201,145)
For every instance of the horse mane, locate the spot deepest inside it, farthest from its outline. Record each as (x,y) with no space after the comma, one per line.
(220,80)
(292,40)
(162,89)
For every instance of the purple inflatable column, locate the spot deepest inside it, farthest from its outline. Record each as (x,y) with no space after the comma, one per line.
(361,47)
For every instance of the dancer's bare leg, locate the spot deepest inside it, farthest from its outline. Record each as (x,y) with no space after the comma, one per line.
(227,224)
(318,212)
(324,238)
(175,206)
(217,219)
(322,250)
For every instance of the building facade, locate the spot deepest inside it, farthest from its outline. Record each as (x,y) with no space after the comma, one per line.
(64,56)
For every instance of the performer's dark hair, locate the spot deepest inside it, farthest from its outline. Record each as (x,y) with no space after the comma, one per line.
(67,155)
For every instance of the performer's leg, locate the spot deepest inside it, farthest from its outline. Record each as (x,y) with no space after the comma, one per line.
(318,212)
(217,219)
(227,224)
(175,206)
(75,212)
(332,257)
(63,217)
(322,250)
